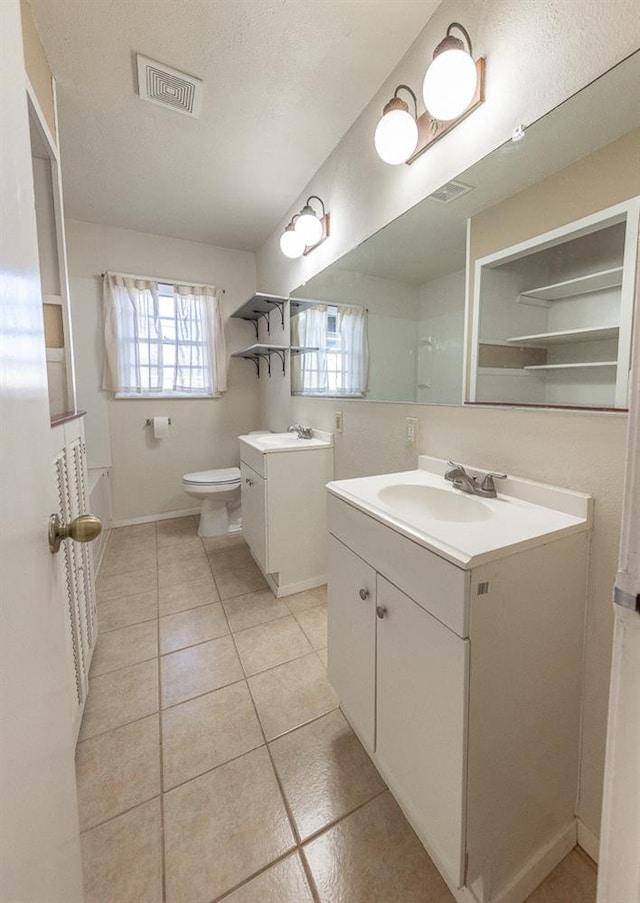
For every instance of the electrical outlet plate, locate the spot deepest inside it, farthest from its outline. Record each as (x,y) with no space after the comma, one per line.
(412,430)
(338,421)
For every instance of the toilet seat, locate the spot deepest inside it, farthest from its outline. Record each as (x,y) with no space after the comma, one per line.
(223,476)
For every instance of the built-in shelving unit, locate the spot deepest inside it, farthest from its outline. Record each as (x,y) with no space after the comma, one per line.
(570,337)
(259,307)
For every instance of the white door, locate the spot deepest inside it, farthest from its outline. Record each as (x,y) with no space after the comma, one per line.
(619,859)
(352,638)
(39,845)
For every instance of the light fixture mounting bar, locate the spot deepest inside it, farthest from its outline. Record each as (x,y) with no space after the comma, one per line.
(431,130)
(324,221)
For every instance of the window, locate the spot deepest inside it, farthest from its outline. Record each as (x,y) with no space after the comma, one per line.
(336,363)
(162,339)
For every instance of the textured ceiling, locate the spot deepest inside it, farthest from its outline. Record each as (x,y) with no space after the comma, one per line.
(283,82)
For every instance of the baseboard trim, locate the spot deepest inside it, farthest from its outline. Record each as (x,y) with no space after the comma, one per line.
(150,518)
(290,589)
(589,841)
(541,864)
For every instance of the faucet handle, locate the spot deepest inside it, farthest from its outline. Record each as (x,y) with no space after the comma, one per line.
(487,481)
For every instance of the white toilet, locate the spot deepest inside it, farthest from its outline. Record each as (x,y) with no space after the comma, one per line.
(219,492)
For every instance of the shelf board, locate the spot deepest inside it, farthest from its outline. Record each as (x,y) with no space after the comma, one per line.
(582,365)
(257,349)
(565,336)
(297,349)
(257,306)
(570,288)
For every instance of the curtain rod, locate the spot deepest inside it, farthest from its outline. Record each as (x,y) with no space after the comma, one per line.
(163,281)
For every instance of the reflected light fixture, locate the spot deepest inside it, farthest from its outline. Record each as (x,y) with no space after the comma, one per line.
(452,78)
(453,88)
(306,230)
(396,134)
(291,243)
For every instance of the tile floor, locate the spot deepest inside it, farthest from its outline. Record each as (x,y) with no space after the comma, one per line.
(213,762)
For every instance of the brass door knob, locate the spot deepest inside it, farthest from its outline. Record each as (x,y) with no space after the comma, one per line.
(81,529)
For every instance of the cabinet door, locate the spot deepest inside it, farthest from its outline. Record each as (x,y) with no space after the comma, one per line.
(421,721)
(352,637)
(254,511)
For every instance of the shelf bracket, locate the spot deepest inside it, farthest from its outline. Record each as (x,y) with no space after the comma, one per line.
(280,306)
(281,356)
(259,315)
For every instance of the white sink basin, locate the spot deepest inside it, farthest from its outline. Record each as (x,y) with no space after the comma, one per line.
(415,503)
(281,439)
(272,442)
(463,528)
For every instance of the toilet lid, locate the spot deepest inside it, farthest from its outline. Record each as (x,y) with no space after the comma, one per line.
(221,475)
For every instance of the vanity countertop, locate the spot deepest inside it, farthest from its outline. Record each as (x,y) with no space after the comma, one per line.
(465,529)
(286,442)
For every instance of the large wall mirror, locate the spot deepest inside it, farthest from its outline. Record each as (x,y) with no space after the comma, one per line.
(512,284)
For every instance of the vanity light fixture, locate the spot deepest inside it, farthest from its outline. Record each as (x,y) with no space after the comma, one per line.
(309,224)
(291,243)
(451,80)
(453,88)
(396,134)
(306,230)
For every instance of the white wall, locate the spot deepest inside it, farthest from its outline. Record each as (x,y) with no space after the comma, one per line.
(538,54)
(146,475)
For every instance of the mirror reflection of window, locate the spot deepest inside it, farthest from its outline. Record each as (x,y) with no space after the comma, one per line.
(331,354)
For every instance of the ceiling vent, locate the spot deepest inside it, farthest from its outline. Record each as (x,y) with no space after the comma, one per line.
(450,191)
(163,85)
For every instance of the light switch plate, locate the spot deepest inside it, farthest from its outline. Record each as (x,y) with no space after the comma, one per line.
(412,431)
(338,421)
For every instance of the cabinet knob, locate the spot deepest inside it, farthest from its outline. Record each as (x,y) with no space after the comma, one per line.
(364,593)
(248,481)
(381,611)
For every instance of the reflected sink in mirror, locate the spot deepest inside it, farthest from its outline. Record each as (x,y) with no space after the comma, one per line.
(415,503)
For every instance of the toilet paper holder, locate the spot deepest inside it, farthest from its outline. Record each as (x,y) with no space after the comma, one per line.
(149,421)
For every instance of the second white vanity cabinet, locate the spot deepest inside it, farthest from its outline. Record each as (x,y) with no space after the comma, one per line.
(461,676)
(283,494)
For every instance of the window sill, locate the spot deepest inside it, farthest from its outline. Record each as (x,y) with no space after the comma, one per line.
(157,397)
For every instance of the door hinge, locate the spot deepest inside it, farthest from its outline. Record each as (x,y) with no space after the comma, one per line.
(625,599)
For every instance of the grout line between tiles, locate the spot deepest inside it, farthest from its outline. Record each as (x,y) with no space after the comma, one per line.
(111,818)
(160,750)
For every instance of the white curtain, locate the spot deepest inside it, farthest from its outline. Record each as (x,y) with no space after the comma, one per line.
(352,328)
(201,353)
(132,336)
(158,344)
(309,370)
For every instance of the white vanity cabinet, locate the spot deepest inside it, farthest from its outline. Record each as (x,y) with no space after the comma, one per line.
(284,508)
(463,683)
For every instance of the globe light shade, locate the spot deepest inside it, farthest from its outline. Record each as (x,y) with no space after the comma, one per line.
(396,136)
(291,244)
(450,83)
(308,226)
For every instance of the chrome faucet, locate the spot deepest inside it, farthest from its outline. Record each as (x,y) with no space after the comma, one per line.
(304,432)
(465,482)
